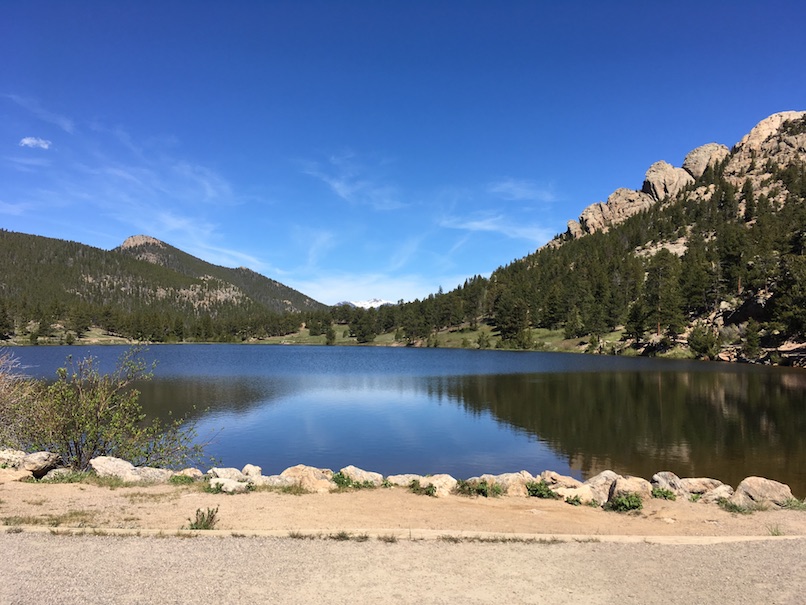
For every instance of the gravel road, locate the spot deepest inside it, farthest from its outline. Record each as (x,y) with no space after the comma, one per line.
(41,568)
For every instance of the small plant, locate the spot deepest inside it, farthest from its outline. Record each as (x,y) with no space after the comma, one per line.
(341,536)
(663,494)
(695,497)
(541,489)
(204,519)
(388,538)
(428,490)
(625,503)
(775,530)
(212,489)
(574,500)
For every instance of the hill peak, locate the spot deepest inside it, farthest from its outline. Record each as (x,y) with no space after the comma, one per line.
(136,241)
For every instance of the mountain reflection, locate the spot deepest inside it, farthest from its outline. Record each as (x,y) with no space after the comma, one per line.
(726,425)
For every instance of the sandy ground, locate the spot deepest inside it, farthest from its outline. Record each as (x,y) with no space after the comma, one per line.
(60,545)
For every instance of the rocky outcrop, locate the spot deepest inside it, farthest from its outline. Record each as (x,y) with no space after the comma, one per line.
(226,473)
(11,458)
(699,159)
(109,466)
(668,481)
(620,205)
(443,484)
(402,480)
(663,181)
(555,480)
(600,485)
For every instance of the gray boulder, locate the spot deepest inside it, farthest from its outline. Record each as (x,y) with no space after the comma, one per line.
(229,486)
(758,491)
(226,473)
(403,480)
(630,485)
(250,470)
(713,496)
(600,485)
(443,484)
(309,478)
(39,463)
(271,481)
(109,466)
(700,485)
(154,475)
(668,480)
(11,458)
(557,480)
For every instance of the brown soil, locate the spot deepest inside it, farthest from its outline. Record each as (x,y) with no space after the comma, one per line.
(394,511)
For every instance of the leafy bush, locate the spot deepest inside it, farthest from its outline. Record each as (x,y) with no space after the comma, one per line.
(541,489)
(345,482)
(663,493)
(625,503)
(84,414)
(574,500)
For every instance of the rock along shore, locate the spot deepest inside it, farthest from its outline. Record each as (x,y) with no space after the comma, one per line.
(602,489)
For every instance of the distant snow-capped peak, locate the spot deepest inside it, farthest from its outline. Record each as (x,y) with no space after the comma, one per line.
(372,303)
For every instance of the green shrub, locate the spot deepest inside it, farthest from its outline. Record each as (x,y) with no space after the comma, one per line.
(732,507)
(541,489)
(663,493)
(625,503)
(344,482)
(574,500)
(84,414)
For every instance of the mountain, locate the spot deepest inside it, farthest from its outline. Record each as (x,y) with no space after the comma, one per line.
(240,283)
(144,289)
(372,303)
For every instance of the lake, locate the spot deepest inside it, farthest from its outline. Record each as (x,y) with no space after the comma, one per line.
(467,412)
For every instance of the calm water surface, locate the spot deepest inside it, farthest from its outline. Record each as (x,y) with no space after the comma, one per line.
(396,410)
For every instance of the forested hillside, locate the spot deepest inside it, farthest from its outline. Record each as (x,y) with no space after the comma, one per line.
(145,290)
(710,257)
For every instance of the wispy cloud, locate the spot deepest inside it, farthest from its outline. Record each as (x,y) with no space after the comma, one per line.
(352,182)
(35,142)
(13,209)
(500,224)
(33,106)
(520,190)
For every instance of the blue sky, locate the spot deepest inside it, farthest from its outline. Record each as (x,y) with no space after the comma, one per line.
(367,149)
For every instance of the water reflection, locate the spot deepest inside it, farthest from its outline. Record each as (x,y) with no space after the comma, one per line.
(721,424)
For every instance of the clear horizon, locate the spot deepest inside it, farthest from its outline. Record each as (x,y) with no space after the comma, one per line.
(367,150)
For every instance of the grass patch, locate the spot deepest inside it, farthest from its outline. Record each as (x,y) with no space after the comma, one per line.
(388,539)
(663,494)
(204,519)
(794,504)
(181,480)
(78,518)
(541,489)
(14,529)
(732,507)
(141,497)
(625,503)
(499,540)
(479,488)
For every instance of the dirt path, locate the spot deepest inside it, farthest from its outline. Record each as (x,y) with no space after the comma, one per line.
(403,548)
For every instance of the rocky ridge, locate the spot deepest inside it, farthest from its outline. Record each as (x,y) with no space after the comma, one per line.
(773,138)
